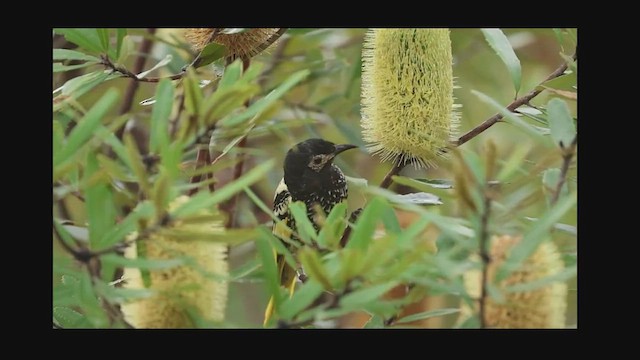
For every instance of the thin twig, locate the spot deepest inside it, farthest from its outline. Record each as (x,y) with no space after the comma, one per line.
(511,107)
(567,155)
(127,73)
(395,170)
(484,255)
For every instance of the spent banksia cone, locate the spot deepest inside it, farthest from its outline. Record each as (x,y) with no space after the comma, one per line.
(245,44)
(408,110)
(183,288)
(543,307)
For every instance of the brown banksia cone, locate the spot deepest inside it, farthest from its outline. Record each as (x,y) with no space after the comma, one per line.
(408,111)
(199,286)
(245,44)
(543,307)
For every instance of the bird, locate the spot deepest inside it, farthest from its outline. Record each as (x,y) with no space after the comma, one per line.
(310,176)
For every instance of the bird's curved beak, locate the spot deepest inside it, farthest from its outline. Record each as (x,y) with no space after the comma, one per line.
(343,147)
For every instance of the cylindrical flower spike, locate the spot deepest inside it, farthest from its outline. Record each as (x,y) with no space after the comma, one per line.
(543,307)
(244,44)
(199,285)
(408,111)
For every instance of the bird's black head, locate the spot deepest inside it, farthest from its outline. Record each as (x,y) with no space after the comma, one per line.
(310,161)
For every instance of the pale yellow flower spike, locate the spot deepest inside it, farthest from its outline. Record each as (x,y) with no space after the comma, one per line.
(408,111)
(243,45)
(183,287)
(543,307)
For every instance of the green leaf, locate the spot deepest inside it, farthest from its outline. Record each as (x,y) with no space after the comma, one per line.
(390,220)
(279,246)
(406,237)
(159,133)
(333,227)
(167,59)
(301,299)
(70,319)
(375,322)
(508,115)
(231,74)
(361,297)
(101,213)
(209,54)
(87,126)
(313,266)
(192,94)
(427,315)
(85,38)
(125,227)
(206,200)
(58,67)
(513,163)
(270,270)
(500,44)
(144,263)
(103,35)
(120,34)
(420,198)
(362,235)
(65,54)
(304,227)
(567,82)
(562,276)
(535,236)
(262,104)
(563,130)
(137,165)
(550,178)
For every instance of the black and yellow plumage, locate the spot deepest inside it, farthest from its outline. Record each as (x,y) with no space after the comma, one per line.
(311,177)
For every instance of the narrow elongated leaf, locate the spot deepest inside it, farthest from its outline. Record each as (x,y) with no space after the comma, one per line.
(137,165)
(561,276)
(366,295)
(87,126)
(313,266)
(301,299)
(500,44)
(101,212)
(159,134)
(58,67)
(143,263)
(534,237)
(128,225)
(362,235)
(68,318)
(231,74)
(333,227)
(85,38)
(205,200)
(303,225)
(103,35)
(192,93)
(120,34)
(209,54)
(427,315)
(419,199)
(508,115)
(66,54)
(563,130)
(167,59)
(270,270)
(266,101)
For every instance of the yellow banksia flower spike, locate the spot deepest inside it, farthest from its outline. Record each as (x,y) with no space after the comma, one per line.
(244,44)
(543,307)
(408,111)
(181,289)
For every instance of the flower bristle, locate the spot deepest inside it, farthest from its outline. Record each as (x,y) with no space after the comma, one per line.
(184,288)
(408,111)
(543,307)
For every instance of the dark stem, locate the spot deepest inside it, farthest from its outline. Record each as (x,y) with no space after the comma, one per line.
(485,257)
(395,170)
(237,170)
(567,155)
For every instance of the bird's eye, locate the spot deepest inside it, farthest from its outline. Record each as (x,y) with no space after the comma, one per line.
(317,160)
